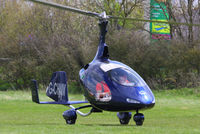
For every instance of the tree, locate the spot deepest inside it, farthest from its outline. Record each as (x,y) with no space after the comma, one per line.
(120,8)
(186,11)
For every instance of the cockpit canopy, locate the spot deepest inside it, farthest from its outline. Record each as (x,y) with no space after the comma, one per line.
(122,75)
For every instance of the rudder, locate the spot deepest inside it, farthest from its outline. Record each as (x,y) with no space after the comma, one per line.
(34,91)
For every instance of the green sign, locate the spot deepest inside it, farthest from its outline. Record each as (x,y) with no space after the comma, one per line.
(159,13)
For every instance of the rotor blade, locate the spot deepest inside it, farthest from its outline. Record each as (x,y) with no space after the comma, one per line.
(59,6)
(93,14)
(157,21)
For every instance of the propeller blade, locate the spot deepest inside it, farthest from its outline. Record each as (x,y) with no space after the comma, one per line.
(157,21)
(59,6)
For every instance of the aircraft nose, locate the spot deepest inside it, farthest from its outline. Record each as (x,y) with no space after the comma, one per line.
(144,95)
(145,98)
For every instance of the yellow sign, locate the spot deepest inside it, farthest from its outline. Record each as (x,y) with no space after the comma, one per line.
(160,27)
(161,0)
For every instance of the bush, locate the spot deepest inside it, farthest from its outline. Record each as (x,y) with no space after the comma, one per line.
(41,41)
(163,64)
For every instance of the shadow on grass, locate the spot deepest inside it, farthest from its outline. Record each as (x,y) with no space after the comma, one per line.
(29,124)
(58,124)
(107,125)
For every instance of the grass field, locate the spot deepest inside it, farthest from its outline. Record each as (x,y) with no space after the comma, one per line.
(175,112)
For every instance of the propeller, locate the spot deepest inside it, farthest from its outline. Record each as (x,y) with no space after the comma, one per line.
(103,15)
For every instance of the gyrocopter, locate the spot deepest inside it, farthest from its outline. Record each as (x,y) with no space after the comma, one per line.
(108,85)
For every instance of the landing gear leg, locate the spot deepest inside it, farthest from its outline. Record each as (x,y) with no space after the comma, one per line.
(124,117)
(138,118)
(70,116)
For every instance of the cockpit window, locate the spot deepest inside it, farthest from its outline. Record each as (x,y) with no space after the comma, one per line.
(125,77)
(97,86)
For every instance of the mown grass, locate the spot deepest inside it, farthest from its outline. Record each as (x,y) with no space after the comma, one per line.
(176,112)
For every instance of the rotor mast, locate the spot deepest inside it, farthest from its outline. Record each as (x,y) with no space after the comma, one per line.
(103,26)
(102,51)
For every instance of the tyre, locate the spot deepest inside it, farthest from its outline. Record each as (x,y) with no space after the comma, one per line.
(70,122)
(124,122)
(124,117)
(139,119)
(70,116)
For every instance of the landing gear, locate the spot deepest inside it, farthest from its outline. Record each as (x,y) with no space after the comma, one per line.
(138,118)
(124,117)
(70,116)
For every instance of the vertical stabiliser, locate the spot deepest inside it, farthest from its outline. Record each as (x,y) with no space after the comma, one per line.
(34,91)
(57,89)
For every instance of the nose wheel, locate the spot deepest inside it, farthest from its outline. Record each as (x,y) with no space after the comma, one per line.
(138,118)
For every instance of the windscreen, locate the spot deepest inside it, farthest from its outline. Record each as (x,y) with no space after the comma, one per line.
(125,77)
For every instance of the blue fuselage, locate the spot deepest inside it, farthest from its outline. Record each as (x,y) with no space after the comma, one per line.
(121,97)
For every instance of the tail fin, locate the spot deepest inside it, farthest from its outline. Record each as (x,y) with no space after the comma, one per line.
(34,90)
(57,89)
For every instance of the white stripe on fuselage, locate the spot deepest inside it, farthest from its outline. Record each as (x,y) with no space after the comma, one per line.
(109,66)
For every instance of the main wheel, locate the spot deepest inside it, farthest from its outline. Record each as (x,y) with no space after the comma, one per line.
(139,119)
(124,122)
(70,121)
(70,116)
(124,117)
